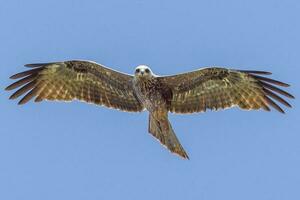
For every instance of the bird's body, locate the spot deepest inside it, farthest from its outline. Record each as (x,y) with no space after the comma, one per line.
(208,88)
(156,97)
(151,91)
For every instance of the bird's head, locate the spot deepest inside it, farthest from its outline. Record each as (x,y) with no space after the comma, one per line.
(143,71)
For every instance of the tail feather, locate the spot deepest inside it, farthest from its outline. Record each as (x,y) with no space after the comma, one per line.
(163,131)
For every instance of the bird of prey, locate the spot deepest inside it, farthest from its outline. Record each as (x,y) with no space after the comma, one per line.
(211,88)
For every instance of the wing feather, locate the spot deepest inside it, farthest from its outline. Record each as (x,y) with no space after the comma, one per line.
(26,73)
(82,80)
(21,82)
(219,88)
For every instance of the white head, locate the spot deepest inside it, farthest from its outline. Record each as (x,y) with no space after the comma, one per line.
(143,71)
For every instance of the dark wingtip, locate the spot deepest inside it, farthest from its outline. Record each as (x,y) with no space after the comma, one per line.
(276,89)
(22,102)
(38,99)
(33,65)
(26,73)
(256,72)
(276,97)
(12,97)
(274,105)
(186,156)
(275,82)
(27,97)
(15,76)
(281,111)
(8,88)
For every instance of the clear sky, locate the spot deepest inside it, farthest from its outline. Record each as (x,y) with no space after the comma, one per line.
(79,151)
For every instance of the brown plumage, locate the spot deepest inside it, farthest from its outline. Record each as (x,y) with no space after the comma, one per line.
(219,88)
(208,88)
(81,80)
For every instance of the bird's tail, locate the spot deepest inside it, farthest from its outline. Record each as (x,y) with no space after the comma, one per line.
(162,130)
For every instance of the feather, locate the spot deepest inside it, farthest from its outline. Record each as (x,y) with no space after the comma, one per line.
(23,90)
(274,105)
(21,82)
(270,81)
(278,98)
(28,96)
(276,89)
(26,73)
(255,72)
(34,65)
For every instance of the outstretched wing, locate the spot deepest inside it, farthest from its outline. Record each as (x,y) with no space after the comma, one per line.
(82,80)
(219,88)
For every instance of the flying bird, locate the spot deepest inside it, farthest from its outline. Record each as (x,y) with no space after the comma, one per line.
(211,88)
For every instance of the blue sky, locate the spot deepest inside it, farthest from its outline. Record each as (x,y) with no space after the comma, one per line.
(78,151)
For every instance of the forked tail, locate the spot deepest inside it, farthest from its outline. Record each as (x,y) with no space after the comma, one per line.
(163,131)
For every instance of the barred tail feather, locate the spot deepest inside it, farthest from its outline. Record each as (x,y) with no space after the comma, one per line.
(163,131)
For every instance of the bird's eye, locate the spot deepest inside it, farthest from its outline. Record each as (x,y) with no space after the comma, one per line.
(147,70)
(137,70)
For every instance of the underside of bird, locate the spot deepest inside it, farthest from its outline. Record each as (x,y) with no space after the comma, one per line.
(213,88)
